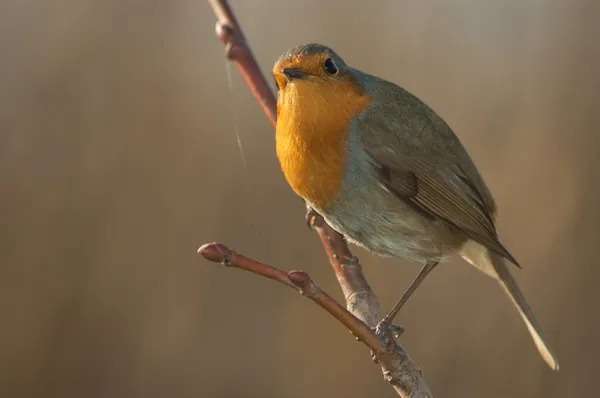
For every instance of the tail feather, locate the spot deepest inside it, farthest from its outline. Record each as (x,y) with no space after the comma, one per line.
(495,266)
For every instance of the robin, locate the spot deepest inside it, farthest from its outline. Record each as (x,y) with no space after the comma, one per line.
(385,171)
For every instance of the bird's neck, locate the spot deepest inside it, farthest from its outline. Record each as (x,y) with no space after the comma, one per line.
(311,142)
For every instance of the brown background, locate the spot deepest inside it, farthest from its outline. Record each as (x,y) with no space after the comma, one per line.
(119,157)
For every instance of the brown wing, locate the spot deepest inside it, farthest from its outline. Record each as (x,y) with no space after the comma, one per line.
(424,164)
(433,195)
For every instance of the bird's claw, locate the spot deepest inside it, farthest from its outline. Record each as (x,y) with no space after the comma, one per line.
(388,333)
(350,261)
(374,357)
(396,331)
(310,217)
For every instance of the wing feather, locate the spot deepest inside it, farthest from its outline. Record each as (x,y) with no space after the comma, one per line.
(424,164)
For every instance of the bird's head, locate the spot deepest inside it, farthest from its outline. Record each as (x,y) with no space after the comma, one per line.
(313,75)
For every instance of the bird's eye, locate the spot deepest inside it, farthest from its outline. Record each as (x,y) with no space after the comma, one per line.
(330,67)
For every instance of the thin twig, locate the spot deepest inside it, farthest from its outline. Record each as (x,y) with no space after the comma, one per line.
(398,369)
(363,310)
(299,280)
(237,50)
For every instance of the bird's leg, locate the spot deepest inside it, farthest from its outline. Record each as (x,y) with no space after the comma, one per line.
(383,328)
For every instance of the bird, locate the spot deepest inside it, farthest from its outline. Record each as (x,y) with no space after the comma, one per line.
(387,172)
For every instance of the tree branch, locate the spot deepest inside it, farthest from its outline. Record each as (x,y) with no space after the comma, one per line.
(363,311)
(219,253)
(238,51)
(398,369)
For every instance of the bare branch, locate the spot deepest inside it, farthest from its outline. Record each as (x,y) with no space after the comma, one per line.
(238,51)
(363,310)
(299,280)
(398,369)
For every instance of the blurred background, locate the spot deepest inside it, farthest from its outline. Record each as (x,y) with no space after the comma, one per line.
(119,125)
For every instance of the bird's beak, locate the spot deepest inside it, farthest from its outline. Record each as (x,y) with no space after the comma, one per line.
(293,73)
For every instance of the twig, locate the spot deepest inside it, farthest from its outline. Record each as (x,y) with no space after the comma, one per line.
(398,368)
(238,51)
(219,253)
(363,310)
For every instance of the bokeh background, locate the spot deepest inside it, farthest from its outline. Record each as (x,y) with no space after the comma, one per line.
(119,156)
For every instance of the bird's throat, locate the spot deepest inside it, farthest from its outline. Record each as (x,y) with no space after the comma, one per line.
(311,141)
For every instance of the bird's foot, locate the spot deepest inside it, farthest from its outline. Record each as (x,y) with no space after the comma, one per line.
(350,261)
(388,333)
(311,217)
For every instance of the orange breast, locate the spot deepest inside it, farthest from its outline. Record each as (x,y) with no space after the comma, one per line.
(311,137)
(312,164)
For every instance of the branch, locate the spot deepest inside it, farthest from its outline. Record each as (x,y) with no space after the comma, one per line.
(219,253)
(363,311)
(398,369)
(238,51)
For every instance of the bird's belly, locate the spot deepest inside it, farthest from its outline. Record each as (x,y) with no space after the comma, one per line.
(375,219)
